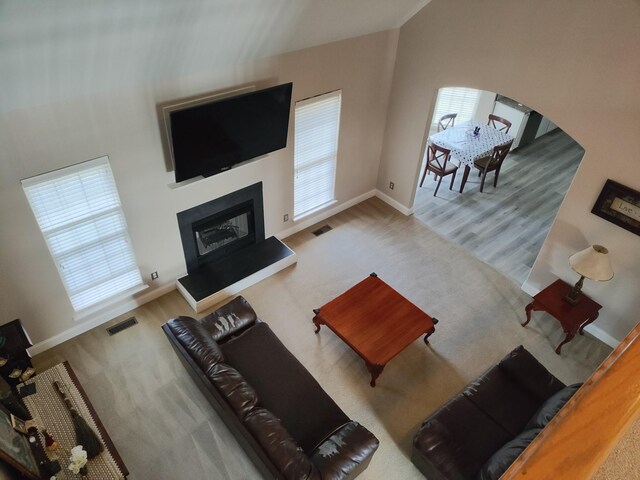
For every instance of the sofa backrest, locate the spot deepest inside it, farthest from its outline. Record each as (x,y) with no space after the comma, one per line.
(523,368)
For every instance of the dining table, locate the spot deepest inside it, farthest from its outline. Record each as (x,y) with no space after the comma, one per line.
(467,147)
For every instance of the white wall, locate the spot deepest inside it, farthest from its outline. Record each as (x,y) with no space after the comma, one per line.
(576,62)
(123,125)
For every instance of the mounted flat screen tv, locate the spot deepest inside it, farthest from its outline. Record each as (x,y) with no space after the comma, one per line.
(210,138)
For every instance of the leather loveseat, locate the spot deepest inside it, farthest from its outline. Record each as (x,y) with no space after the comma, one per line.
(278,412)
(483,429)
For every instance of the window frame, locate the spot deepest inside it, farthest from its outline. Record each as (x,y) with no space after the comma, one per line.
(61,249)
(331,159)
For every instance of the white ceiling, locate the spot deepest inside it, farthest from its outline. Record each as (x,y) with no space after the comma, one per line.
(56,50)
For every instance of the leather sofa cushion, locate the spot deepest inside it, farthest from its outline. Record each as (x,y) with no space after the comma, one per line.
(197,340)
(503,400)
(284,386)
(552,406)
(501,460)
(234,388)
(522,367)
(345,453)
(458,439)
(229,319)
(283,450)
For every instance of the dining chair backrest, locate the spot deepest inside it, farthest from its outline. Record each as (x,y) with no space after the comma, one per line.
(499,123)
(437,157)
(446,121)
(498,155)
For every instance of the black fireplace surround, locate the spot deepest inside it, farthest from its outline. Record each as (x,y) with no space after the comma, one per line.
(217,228)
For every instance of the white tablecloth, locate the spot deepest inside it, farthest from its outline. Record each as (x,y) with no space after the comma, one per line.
(464,146)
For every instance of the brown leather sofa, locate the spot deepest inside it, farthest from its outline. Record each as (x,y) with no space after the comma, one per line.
(483,429)
(278,412)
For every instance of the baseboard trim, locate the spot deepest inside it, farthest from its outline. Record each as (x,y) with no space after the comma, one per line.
(394,203)
(601,335)
(592,329)
(100,318)
(307,222)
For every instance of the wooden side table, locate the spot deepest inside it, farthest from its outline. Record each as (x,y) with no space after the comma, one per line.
(573,318)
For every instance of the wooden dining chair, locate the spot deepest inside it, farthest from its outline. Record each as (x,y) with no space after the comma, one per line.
(446,121)
(438,162)
(492,163)
(499,123)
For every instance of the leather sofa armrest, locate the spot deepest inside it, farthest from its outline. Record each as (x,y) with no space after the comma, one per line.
(346,453)
(230,319)
(435,453)
(281,448)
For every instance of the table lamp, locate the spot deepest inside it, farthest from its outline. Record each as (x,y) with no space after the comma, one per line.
(592,263)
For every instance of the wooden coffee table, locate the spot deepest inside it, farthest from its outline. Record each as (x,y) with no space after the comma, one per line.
(375,321)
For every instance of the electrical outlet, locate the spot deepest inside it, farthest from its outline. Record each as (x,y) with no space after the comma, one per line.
(154,275)
(286,217)
(391,185)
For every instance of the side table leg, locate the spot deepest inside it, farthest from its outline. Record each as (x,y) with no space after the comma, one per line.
(431,331)
(567,339)
(527,309)
(317,321)
(375,370)
(589,320)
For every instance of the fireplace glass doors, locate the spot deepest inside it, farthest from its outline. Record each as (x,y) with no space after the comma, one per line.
(227,224)
(221,234)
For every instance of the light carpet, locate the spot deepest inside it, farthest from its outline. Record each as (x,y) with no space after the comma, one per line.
(164,428)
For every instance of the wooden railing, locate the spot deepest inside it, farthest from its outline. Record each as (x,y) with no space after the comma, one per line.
(583,433)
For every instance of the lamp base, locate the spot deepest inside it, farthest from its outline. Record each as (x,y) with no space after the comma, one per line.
(573,297)
(572,301)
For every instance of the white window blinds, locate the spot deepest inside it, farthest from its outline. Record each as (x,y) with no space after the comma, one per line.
(317,123)
(462,101)
(78,211)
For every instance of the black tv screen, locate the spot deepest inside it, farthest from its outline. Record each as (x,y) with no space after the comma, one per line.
(209,138)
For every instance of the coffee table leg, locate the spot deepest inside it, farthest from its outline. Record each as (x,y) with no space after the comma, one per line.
(430,332)
(317,321)
(375,370)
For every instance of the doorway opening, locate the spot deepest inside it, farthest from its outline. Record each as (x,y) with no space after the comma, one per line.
(505,225)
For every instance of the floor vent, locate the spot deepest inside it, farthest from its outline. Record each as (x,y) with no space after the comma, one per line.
(322,230)
(123,325)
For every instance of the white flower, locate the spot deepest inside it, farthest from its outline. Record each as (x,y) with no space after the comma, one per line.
(78,459)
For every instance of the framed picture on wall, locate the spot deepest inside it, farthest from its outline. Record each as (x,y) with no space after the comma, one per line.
(620,205)
(15,449)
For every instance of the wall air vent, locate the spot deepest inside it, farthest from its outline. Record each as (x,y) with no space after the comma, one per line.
(123,325)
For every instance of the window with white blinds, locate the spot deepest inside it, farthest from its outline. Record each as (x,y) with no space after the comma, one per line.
(78,211)
(317,123)
(462,101)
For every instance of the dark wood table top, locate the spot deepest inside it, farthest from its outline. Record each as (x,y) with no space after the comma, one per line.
(570,316)
(375,320)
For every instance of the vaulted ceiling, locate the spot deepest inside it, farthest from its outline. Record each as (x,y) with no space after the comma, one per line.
(56,50)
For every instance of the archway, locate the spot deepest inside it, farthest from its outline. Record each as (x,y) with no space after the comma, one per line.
(504,226)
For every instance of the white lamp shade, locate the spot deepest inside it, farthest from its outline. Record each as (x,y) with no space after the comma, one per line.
(592,263)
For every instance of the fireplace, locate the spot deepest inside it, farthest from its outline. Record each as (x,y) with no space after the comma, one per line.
(216,229)
(225,248)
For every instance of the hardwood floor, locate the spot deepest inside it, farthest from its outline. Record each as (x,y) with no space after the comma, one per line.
(505,226)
